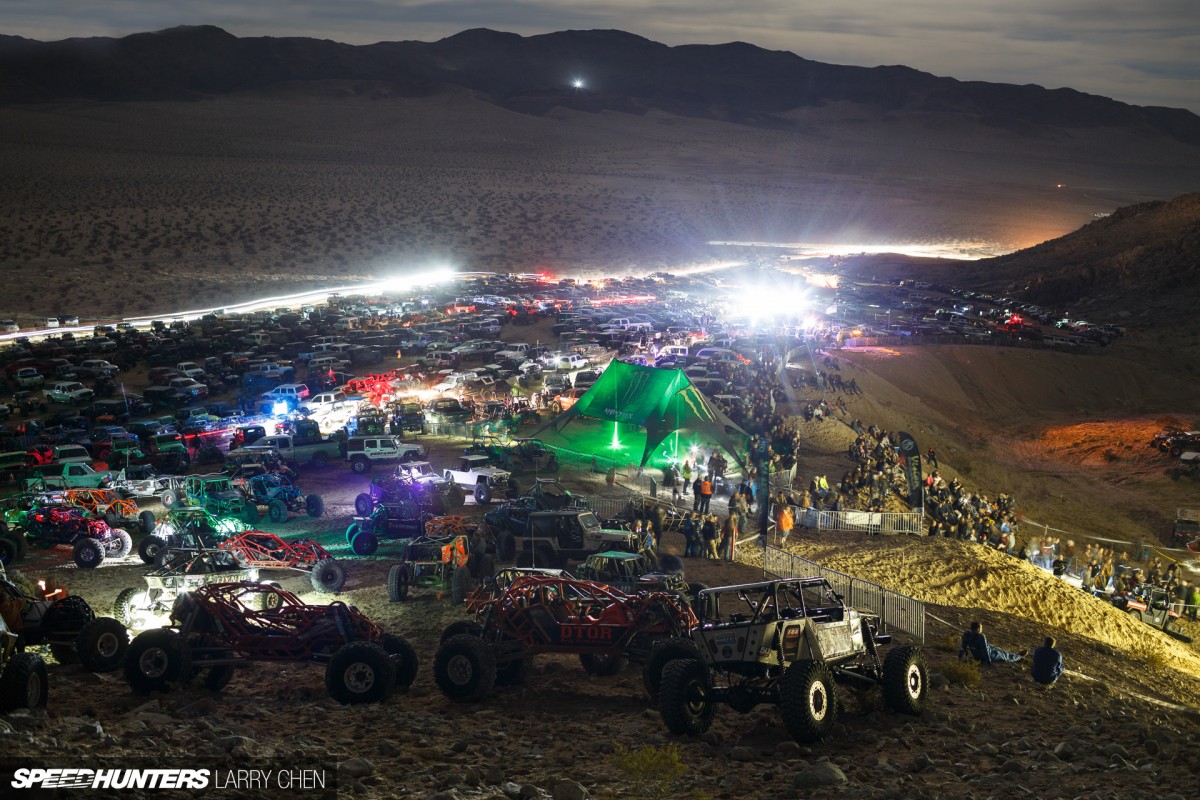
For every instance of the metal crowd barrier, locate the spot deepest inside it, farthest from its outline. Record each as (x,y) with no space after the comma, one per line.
(894,609)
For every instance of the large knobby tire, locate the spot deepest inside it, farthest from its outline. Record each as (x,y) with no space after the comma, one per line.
(218,677)
(462,627)
(506,547)
(314,505)
(464,668)
(483,495)
(807,701)
(399,581)
(361,466)
(277,511)
(8,550)
(602,664)
(661,654)
(351,531)
(126,544)
(147,521)
(364,505)
(250,514)
(327,576)
(126,605)
(149,547)
(905,680)
(685,697)
(88,553)
(24,682)
(101,645)
(360,672)
(169,498)
(404,658)
(460,584)
(364,544)
(157,659)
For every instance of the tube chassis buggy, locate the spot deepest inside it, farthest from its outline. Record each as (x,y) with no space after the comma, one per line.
(280,496)
(91,540)
(188,528)
(436,559)
(23,678)
(543,614)
(180,571)
(782,642)
(220,627)
(65,623)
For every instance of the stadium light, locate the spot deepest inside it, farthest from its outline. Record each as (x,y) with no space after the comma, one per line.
(577,83)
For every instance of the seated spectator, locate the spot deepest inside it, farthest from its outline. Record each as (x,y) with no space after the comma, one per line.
(975,643)
(1047,663)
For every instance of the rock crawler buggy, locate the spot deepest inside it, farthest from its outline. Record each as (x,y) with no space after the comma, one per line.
(91,540)
(65,623)
(180,571)
(544,614)
(782,642)
(281,497)
(436,559)
(220,627)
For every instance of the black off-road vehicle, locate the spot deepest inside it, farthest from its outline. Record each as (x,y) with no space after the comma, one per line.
(67,624)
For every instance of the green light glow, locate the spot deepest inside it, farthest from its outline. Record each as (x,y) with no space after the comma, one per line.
(616,440)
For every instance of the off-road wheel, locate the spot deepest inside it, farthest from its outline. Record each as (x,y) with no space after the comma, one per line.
(351,531)
(277,511)
(456,497)
(360,465)
(9,554)
(314,505)
(661,654)
(269,601)
(360,672)
(460,584)
(101,645)
(905,680)
(169,499)
(128,601)
(147,522)
(404,658)
(807,701)
(462,627)
(250,514)
(217,678)
(464,668)
(399,581)
(603,665)
(327,576)
(112,518)
(364,544)
(126,545)
(506,547)
(149,547)
(514,672)
(88,553)
(320,459)
(156,660)
(364,505)
(24,682)
(483,494)
(685,697)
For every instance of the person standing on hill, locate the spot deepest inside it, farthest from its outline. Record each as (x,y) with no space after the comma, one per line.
(975,643)
(706,493)
(1047,663)
(687,475)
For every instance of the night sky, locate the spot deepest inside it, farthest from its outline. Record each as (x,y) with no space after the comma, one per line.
(1144,53)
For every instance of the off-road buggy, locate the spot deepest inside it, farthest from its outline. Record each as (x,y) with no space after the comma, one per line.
(216,495)
(179,571)
(1152,605)
(492,586)
(414,483)
(219,627)
(280,496)
(267,551)
(436,559)
(635,573)
(105,504)
(23,678)
(541,614)
(188,528)
(401,521)
(1188,466)
(65,623)
(53,525)
(782,642)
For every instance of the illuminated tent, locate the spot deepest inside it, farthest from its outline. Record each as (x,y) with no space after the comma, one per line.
(659,401)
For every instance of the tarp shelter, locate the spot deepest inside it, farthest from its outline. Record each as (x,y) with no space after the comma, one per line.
(660,401)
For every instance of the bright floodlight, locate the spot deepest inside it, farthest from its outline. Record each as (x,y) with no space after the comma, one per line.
(577,83)
(761,303)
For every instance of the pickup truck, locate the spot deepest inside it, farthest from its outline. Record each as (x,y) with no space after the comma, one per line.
(71,475)
(292,449)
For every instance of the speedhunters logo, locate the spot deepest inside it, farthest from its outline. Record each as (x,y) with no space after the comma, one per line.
(223,779)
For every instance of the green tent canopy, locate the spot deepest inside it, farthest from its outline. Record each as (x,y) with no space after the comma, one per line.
(661,401)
